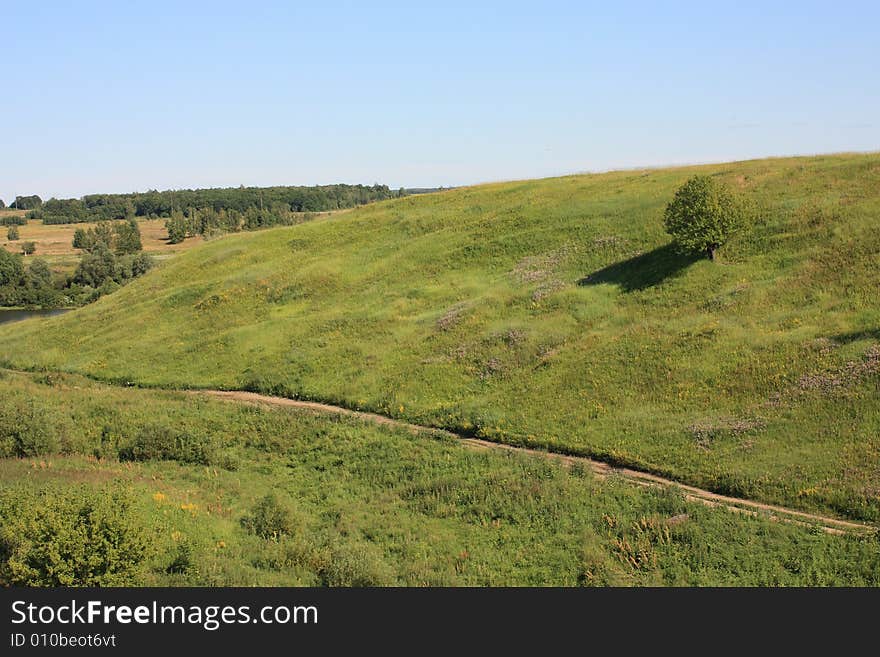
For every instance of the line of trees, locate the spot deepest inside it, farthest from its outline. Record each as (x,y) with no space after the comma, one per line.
(153,204)
(122,238)
(13,220)
(208,221)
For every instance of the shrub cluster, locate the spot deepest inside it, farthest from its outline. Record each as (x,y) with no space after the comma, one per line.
(268,519)
(27,430)
(162,443)
(70,537)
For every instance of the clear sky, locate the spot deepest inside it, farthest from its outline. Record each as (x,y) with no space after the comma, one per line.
(126,96)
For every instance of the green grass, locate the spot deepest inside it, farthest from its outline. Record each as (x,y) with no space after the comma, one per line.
(548,313)
(370,505)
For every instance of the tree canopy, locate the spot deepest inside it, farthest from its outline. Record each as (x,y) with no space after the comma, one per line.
(236,200)
(703,214)
(27,202)
(123,237)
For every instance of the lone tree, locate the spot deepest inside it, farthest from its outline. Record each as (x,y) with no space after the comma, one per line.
(176,227)
(28,248)
(126,237)
(703,214)
(12,233)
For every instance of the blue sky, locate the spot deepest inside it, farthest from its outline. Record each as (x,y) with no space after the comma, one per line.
(128,96)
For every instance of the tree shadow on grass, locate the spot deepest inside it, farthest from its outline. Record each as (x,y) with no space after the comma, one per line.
(643,271)
(855,336)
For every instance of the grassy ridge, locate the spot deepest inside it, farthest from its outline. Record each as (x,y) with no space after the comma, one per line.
(550,313)
(371,505)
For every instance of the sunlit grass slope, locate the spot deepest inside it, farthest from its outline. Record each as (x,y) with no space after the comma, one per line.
(549,313)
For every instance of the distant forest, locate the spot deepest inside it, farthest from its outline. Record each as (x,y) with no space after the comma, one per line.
(153,204)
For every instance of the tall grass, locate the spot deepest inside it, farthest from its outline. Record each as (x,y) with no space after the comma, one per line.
(310,500)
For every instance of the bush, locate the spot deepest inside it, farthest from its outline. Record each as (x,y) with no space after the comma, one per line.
(12,233)
(182,560)
(342,562)
(132,266)
(75,537)
(268,519)
(161,443)
(108,287)
(26,430)
(703,215)
(95,267)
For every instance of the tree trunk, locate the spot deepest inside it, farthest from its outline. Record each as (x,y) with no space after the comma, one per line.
(710,251)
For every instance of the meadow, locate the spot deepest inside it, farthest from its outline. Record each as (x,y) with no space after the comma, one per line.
(549,313)
(105,485)
(56,240)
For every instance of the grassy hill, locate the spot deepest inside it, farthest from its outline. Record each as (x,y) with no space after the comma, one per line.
(549,313)
(175,480)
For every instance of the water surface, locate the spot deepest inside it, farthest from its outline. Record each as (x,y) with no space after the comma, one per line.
(7,315)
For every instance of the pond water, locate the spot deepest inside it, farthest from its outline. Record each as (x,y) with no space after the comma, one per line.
(16,315)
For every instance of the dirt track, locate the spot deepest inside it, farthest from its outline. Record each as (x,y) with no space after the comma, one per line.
(778,513)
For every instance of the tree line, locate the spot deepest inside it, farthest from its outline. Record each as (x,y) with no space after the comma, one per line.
(208,221)
(156,204)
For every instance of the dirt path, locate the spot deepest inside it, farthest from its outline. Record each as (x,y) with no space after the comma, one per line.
(691,493)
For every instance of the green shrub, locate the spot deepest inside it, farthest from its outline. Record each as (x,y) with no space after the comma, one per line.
(75,537)
(12,233)
(161,443)
(269,519)
(26,430)
(328,559)
(342,562)
(182,560)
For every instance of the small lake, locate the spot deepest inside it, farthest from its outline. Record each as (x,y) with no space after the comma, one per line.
(16,315)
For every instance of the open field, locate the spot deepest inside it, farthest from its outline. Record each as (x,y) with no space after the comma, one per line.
(367,504)
(57,239)
(550,314)
(54,242)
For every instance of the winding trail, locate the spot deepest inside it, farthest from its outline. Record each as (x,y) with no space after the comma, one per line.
(599,468)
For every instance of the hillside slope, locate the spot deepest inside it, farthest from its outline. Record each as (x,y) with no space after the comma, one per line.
(549,313)
(358,504)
